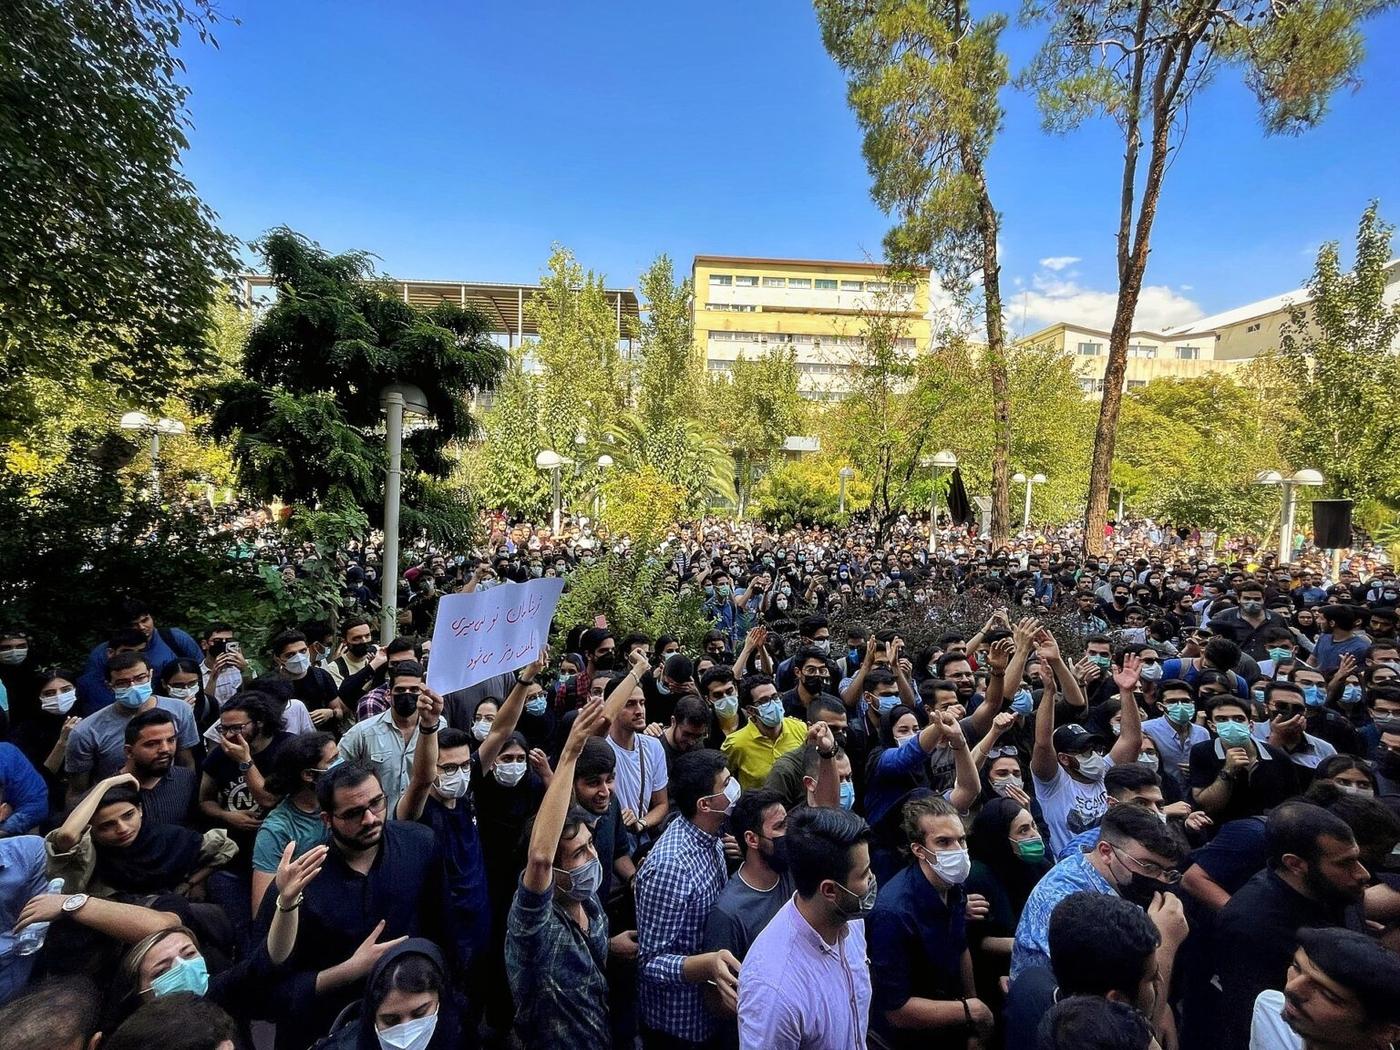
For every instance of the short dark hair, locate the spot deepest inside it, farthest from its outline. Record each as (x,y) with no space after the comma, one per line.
(920,806)
(1359,964)
(351,622)
(402,644)
(403,669)
(693,778)
(948,658)
(449,737)
(140,723)
(1298,827)
(263,709)
(1100,943)
(1088,1022)
(345,775)
(596,759)
(1129,776)
(715,674)
(295,757)
(808,626)
(284,639)
(126,661)
(748,814)
(1222,653)
(216,628)
(819,844)
(692,710)
(175,1022)
(879,676)
(825,702)
(1225,700)
(1289,686)
(1124,824)
(748,684)
(61,1011)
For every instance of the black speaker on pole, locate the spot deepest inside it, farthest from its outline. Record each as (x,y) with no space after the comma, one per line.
(1332,523)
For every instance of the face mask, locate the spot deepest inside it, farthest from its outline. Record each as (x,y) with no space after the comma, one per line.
(1356,789)
(1091,766)
(480,728)
(405,704)
(10,657)
(1139,889)
(853,653)
(1181,713)
(1023,703)
(133,696)
(605,661)
(359,650)
(770,712)
(583,881)
(453,785)
(813,683)
(822,646)
(183,692)
(1232,734)
(1251,608)
(536,705)
(723,590)
(1313,695)
(411,1035)
(887,703)
(1101,662)
(662,687)
(1152,672)
(727,705)
(298,664)
(847,794)
(1032,851)
(952,865)
(1351,694)
(1013,781)
(184,975)
(508,774)
(731,792)
(864,902)
(1386,723)
(1278,655)
(59,703)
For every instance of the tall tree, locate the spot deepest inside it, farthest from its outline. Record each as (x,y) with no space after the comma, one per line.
(924,79)
(305,419)
(107,256)
(1338,352)
(1142,64)
(758,407)
(670,372)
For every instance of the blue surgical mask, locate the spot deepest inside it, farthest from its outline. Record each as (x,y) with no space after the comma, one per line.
(847,794)
(1351,694)
(727,705)
(184,975)
(133,696)
(1023,703)
(536,705)
(1313,695)
(887,703)
(770,712)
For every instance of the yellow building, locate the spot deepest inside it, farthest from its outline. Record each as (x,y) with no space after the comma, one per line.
(751,307)
(1151,355)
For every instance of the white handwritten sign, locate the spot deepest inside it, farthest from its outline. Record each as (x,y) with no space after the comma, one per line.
(489,632)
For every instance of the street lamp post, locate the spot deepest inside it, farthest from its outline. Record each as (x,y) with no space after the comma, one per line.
(155,427)
(845,474)
(604,462)
(941,460)
(553,462)
(1030,483)
(397,400)
(1289,509)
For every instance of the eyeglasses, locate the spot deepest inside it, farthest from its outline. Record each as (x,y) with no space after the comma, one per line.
(450,768)
(226,729)
(355,814)
(1151,869)
(408,690)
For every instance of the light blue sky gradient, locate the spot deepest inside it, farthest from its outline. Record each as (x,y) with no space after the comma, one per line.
(459,140)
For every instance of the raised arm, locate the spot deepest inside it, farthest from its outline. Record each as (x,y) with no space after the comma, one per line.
(1000,725)
(901,676)
(852,692)
(509,714)
(1063,675)
(828,789)
(70,832)
(128,923)
(549,821)
(1129,742)
(1043,760)
(617,699)
(292,878)
(999,657)
(966,783)
(425,756)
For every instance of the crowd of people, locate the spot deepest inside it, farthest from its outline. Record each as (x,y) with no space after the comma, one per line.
(1150,800)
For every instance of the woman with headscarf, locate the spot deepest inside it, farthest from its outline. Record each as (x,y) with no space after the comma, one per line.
(1008,859)
(409,1004)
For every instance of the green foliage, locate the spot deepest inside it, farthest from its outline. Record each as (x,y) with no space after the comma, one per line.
(680,452)
(628,590)
(506,476)
(107,256)
(808,492)
(670,373)
(760,408)
(304,418)
(1336,352)
(641,504)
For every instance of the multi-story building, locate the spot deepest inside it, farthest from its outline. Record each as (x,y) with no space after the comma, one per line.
(1151,355)
(750,307)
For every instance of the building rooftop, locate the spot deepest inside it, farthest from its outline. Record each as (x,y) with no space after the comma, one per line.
(793,264)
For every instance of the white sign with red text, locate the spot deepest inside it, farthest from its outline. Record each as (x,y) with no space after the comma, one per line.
(489,632)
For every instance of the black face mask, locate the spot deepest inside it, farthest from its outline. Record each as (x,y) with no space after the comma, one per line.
(778,859)
(1139,889)
(606,661)
(359,650)
(405,704)
(813,683)
(1389,764)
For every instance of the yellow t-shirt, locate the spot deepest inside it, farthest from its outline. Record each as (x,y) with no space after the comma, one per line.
(751,754)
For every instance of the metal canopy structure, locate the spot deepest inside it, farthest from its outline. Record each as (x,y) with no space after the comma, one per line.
(503,304)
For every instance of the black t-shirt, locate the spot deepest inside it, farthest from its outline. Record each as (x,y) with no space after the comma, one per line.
(1272,780)
(231,784)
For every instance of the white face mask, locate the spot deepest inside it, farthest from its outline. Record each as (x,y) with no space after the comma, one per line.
(509,773)
(11,657)
(480,728)
(952,865)
(59,703)
(1000,786)
(411,1035)
(453,785)
(183,692)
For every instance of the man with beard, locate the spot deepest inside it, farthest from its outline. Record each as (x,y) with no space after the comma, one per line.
(1315,878)
(167,788)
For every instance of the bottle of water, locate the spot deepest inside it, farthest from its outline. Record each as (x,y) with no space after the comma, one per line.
(31,938)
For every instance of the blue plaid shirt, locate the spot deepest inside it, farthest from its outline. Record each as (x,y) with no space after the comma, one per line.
(678,884)
(1032,944)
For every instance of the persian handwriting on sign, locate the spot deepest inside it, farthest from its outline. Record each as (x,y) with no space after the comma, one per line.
(486,633)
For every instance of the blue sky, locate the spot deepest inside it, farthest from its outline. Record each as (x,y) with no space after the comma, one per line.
(460,140)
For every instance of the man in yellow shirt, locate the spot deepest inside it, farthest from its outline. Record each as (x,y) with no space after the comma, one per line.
(753,750)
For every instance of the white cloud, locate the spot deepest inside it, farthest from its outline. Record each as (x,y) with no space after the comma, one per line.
(1059,262)
(1052,298)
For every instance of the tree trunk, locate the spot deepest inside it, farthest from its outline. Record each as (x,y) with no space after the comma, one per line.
(1129,289)
(996,347)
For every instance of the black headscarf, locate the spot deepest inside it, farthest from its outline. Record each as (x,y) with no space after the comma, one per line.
(161,858)
(448,1032)
(988,843)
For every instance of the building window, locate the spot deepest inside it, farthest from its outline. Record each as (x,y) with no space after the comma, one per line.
(1141,350)
(721,366)
(775,282)
(904,289)
(1091,386)
(1090,349)
(799,282)
(1135,384)
(853,286)
(877,286)
(1188,353)
(1255,326)
(745,282)
(721,279)
(824,283)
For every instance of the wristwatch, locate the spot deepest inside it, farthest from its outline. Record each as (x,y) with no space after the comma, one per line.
(243,767)
(73,903)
